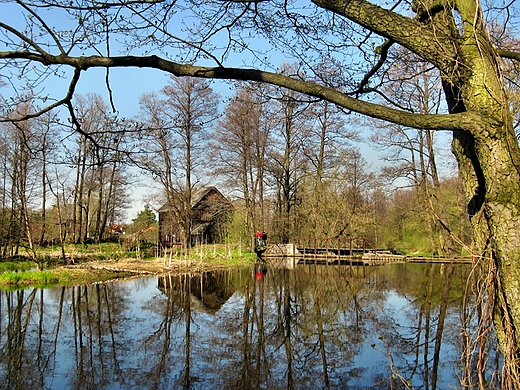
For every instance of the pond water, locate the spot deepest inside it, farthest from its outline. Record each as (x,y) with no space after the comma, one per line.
(377,327)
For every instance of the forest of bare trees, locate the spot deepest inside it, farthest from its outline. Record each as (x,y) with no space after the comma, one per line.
(60,185)
(291,165)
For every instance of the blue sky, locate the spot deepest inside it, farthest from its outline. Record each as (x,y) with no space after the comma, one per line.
(128,84)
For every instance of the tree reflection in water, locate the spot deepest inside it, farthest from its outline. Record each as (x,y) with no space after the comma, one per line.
(393,326)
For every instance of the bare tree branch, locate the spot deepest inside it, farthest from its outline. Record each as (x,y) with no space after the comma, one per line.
(435,122)
(67,100)
(512,55)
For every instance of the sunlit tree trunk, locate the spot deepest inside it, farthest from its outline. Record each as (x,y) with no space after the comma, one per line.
(44,190)
(78,214)
(110,200)
(489,161)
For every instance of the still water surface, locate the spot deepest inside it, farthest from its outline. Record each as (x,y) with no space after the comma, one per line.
(381,327)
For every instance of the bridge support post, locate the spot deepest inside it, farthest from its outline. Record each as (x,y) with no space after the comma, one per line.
(292,260)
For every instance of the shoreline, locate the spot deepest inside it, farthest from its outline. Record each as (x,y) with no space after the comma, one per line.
(99,271)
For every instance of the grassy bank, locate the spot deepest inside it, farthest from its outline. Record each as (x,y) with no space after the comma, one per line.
(102,262)
(69,277)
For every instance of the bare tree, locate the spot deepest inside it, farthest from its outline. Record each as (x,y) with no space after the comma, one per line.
(287,163)
(177,126)
(325,148)
(22,144)
(239,145)
(47,134)
(413,152)
(99,169)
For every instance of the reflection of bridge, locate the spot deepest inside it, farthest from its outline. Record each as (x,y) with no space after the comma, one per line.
(345,250)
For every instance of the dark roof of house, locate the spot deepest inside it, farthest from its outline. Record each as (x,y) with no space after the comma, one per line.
(197,195)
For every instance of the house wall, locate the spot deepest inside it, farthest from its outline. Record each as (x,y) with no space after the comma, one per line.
(208,216)
(169,230)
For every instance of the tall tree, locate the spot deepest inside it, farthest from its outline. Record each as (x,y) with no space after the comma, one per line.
(412,151)
(99,167)
(23,146)
(178,125)
(239,148)
(287,163)
(47,135)
(451,35)
(325,148)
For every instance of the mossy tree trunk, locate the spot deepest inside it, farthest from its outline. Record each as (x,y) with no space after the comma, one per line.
(489,160)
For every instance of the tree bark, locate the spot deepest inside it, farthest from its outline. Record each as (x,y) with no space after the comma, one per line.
(489,161)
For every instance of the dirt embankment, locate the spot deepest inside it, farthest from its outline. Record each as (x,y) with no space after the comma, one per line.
(86,267)
(156,266)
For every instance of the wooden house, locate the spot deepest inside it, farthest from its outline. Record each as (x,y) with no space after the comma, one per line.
(210,211)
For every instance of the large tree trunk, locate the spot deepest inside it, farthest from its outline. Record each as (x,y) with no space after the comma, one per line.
(489,160)
(493,184)
(489,166)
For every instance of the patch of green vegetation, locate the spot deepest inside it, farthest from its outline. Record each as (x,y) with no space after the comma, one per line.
(420,254)
(108,251)
(414,240)
(22,273)
(26,278)
(244,260)
(220,254)
(16,266)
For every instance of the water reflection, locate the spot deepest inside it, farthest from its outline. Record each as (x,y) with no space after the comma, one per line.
(313,327)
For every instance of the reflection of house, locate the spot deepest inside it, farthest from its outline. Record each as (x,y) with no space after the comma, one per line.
(207,291)
(210,211)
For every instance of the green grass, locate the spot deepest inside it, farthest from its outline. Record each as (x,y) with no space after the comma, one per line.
(222,254)
(91,252)
(16,266)
(24,278)
(22,273)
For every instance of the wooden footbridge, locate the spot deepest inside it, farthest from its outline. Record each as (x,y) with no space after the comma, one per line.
(353,251)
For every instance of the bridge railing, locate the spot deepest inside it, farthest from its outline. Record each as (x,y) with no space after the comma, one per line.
(339,244)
